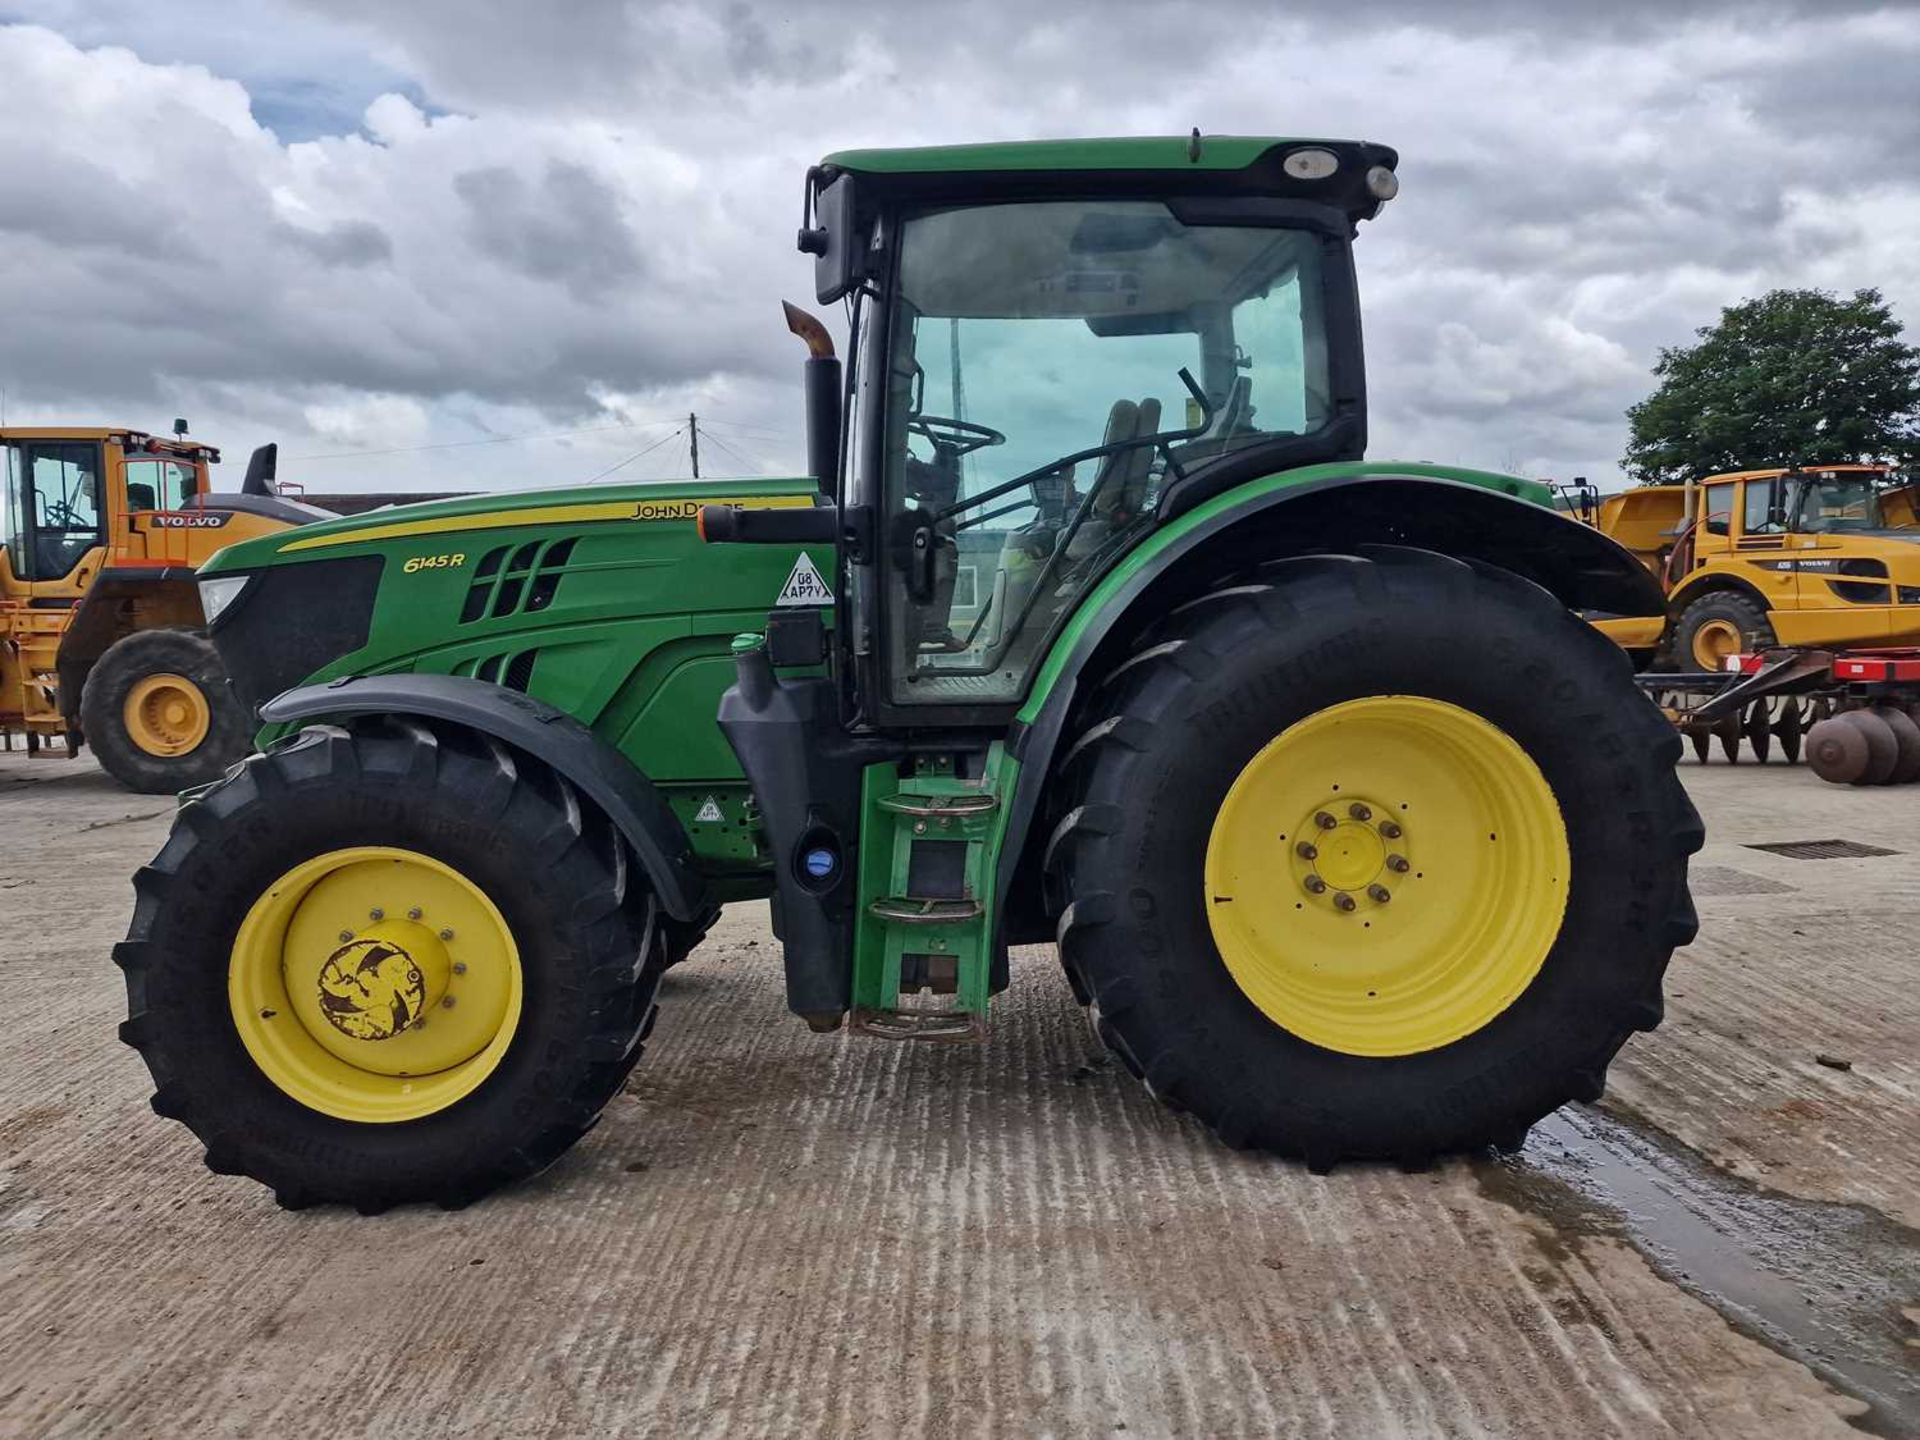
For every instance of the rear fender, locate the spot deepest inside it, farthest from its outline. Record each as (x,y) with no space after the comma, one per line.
(1264,520)
(551,736)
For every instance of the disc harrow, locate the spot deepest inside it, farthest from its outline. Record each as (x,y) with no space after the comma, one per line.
(1855,716)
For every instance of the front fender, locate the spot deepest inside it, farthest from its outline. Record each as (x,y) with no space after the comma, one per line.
(550,736)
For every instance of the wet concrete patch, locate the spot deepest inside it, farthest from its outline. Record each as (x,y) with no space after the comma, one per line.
(1831,1286)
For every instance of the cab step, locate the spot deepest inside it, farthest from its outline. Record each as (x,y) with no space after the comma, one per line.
(926,924)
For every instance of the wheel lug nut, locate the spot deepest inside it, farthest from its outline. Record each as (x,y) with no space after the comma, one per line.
(376,913)
(345,936)
(1306,850)
(1324,820)
(459,967)
(1379,894)
(1390,830)
(1397,864)
(415,913)
(1359,811)
(1343,901)
(1315,885)
(446,934)
(446,1002)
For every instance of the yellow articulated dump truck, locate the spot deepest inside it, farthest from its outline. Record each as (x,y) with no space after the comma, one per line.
(102,638)
(1825,557)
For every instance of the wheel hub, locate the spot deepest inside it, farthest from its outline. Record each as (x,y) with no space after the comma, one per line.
(1348,852)
(1714,641)
(1425,875)
(166,714)
(375,984)
(383,981)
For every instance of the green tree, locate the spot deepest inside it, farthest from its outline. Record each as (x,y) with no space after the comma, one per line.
(1795,377)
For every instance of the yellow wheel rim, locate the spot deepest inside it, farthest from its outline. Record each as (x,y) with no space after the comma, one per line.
(1387,875)
(375,984)
(166,714)
(1713,642)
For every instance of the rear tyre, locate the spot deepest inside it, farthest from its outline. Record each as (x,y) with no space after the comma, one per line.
(1720,625)
(311,911)
(159,714)
(1499,938)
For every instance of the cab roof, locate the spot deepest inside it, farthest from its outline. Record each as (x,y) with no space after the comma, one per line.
(1340,173)
(1149,152)
(1730,476)
(130,439)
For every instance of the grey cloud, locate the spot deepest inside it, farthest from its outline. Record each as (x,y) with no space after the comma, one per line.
(353,242)
(567,228)
(609,211)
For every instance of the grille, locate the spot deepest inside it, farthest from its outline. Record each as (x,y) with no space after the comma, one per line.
(1822,849)
(512,579)
(515,671)
(293,620)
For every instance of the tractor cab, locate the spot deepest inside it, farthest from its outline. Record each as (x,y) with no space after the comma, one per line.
(1053,347)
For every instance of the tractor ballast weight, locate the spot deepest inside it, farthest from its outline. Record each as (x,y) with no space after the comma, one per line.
(1272,740)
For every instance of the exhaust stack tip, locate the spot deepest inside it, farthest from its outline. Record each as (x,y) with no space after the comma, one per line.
(809,329)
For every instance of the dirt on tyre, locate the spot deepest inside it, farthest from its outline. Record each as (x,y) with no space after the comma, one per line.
(1719,625)
(159,714)
(1372,857)
(346,986)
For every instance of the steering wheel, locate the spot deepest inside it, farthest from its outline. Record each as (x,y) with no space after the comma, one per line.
(954,437)
(63,515)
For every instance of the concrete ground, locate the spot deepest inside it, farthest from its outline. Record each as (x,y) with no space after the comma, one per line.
(779,1233)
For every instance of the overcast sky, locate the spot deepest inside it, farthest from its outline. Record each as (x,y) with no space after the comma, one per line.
(363,227)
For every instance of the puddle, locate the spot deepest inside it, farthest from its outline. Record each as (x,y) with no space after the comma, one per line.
(1820,1283)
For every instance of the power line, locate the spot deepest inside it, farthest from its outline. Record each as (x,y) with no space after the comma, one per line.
(643,450)
(715,441)
(746,430)
(489,440)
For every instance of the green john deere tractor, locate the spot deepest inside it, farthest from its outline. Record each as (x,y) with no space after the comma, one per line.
(1090,626)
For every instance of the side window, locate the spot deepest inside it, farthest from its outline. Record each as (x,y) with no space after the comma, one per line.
(1763,511)
(13,514)
(176,484)
(1719,509)
(143,485)
(159,484)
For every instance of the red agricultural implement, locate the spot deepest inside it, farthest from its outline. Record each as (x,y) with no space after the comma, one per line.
(1855,713)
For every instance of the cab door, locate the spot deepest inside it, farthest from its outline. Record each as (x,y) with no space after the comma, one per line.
(1762,541)
(56,515)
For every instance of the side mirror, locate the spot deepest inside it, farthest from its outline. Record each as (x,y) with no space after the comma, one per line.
(839,262)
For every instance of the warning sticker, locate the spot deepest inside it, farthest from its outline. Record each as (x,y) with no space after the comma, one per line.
(804,585)
(709,810)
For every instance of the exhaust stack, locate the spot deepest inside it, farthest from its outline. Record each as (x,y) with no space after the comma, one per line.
(821,387)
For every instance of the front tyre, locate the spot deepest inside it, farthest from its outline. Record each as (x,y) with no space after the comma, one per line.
(389,964)
(159,714)
(1373,858)
(1720,625)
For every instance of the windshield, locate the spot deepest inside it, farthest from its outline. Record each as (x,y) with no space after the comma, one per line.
(1838,502)
(1051,367)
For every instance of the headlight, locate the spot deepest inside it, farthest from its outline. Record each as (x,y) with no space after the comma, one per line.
(1382,183)
(219,592)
